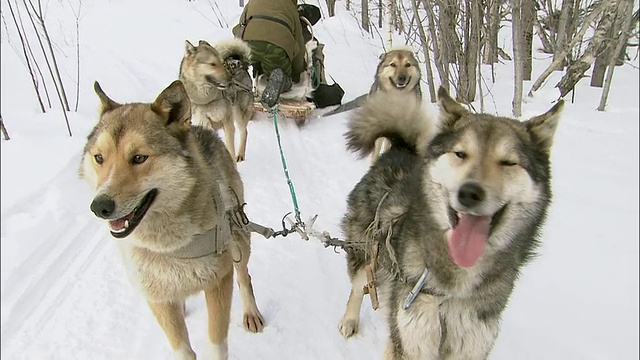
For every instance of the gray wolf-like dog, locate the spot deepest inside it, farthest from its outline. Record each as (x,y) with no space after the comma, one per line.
(168,191)
(449,216)
(220,88)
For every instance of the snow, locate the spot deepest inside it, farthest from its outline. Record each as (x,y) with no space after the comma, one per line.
(64,292)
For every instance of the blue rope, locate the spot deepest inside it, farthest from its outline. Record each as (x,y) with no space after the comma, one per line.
(274,114)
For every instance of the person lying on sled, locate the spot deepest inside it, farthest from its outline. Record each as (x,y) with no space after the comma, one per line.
(273,31)
(269,42)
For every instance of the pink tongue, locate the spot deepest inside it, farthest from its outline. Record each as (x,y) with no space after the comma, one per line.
(468,239)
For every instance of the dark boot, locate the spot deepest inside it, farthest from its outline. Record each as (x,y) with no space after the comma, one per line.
(278,82)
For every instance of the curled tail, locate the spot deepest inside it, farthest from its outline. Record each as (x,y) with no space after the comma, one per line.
(234,48)
(395,116)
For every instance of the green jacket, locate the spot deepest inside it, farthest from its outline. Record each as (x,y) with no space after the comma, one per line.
(290,41)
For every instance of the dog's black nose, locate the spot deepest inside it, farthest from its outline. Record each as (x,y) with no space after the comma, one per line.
(103,206)
(402,78)
(470,194)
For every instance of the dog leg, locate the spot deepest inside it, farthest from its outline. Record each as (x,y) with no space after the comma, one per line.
(229,136)
(244,117)
(351,319)
(252,319)
(218,298)
(170,316)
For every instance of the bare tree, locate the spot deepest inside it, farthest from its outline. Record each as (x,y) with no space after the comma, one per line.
(576,70)
(24,42)
(563,29)
(365,15)
(562,54)
(331,5)
(516,33)
(527,15)
(622,41)
(5,133)
(77,15)
(39,16)
(424,41)
(493,26)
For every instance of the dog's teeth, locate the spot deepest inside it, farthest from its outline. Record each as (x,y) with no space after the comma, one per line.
(126,225)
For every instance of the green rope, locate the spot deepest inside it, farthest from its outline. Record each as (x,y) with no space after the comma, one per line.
(274,113)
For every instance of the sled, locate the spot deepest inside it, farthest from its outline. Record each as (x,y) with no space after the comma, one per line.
(294,109)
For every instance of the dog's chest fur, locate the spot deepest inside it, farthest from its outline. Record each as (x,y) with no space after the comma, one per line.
(164,278)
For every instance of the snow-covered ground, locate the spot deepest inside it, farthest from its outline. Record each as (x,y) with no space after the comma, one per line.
(64,292)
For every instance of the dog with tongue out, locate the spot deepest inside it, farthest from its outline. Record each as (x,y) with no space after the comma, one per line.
(444,221)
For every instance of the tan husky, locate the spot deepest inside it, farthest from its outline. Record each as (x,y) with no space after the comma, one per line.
(398,72)
(220,88)
(169,191)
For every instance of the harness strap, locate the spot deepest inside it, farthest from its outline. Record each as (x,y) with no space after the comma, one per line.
(214,240)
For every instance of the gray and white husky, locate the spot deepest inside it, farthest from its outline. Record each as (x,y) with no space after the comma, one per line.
(448,215)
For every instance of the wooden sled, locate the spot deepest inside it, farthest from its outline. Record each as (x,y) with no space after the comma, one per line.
(297,110)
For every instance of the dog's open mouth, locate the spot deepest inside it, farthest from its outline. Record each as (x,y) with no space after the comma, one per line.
(216,83)
(468,238)
(400,85)
(122,227)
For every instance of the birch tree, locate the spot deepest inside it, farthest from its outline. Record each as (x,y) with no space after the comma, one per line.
(516,34)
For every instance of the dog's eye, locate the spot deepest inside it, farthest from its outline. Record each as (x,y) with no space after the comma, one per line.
(460,154)
(213,64)
(392,65)
(98,158)
(407,65)
(139,159)
(508,163)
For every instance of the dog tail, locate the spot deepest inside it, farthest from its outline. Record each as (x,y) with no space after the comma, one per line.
(395,116)
(234,48)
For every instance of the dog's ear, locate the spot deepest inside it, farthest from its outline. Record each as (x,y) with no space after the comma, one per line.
(543,127)
(189,48)
(106,104)
(382,56)
(203,42)
(450,109)
(173,106)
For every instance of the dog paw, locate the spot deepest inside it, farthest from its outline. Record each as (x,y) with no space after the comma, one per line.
(348,327)
(253,322)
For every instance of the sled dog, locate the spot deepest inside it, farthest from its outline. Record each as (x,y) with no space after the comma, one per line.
(398,71)
(451,220)
(220,88)
(169,191)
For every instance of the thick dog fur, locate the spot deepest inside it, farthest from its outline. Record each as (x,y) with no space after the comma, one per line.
(156,177)
(467,205)
(216,99)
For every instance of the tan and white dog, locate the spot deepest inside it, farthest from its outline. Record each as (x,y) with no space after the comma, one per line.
(220,88)
(168,191)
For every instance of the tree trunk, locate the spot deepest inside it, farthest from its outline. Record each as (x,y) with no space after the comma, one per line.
(438,48)
(576,70)
(24,43)
(5,133)
(468,57)
(389,13)
(493,26)
(622,41)
(527,17)
(424,40)
(365,14)
(561,38)
(331,5)
(516,33)
(380,14)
